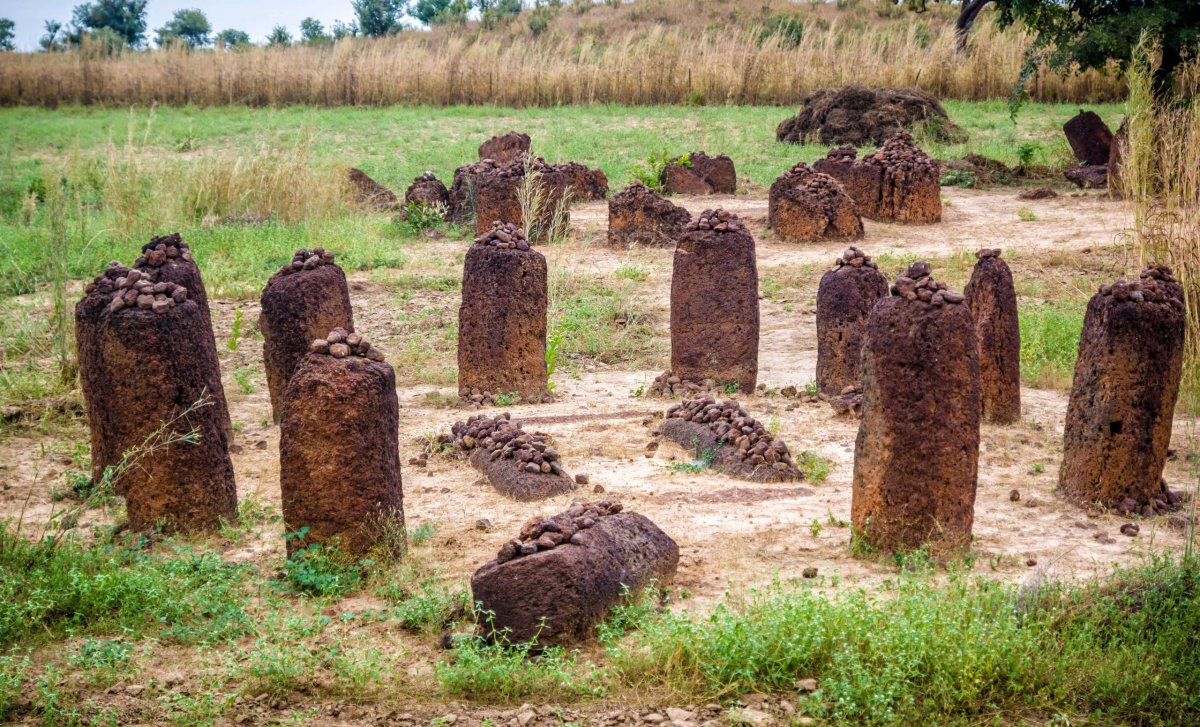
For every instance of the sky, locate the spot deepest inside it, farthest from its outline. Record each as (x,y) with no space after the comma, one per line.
(256,17)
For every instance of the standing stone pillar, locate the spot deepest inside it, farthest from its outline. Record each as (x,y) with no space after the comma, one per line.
(306,299)
(993,302)
(844,301)
(1123,396)
(917,453)
(339,457)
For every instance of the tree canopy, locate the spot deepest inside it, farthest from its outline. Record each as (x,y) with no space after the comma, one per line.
(126,18)
(377,18)
(6,34)
(232,38)
(190,26)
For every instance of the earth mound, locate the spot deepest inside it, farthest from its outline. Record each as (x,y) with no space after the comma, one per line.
(860,116)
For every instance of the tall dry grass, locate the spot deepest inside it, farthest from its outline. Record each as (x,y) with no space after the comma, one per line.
(651,65)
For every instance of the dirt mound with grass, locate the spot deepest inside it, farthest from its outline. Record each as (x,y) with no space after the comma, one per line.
(860,116)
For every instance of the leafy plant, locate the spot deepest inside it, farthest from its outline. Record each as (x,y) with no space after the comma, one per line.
(813,466)
(242,376)
(421,216)
(235,335)
(650,171)
(320,570)
(1027,215)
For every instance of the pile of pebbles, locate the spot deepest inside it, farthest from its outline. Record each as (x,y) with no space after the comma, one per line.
(918,284)
(669,385)
(548,533)
(305,259)
(504,439)
(901,154)
(137,289)
(849,402)
(505,236)
(855,258)
(1164,502)
(161,250)
(846,153)
(720,220)
(1155,284)
(752,442)
(340,343)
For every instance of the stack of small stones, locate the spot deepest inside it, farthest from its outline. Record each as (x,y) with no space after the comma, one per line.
(899,152)
(849,402)
(305,259)
(855,258)
(667,384)
(506,440)
(987,252)
(842,153)
(729,421)
(719,220)
(1154,285)
(917,284)
(160,250)
(137,289)
(549,533)
(1164,502)
(340,344)
(504,235)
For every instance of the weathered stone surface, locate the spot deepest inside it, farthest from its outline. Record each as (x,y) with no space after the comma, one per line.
(732,441)
(463,190)
(558,594)
(638,215)
(339,454)
(1089,137)
(497,196)
(427,189)
(701,175)
(917,452)
(512,146)
(897,183)
(1123,397)
(1094,176)
(300,305)
(502,321)
(371,194)
(143,368)
(522,465)
(714,302)
(806,205)
(993,302)
(860,116)
(511,478)
(845,297)
(586,184)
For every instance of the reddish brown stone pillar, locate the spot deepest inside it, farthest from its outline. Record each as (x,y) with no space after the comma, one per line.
(502,321)
(95,380)
(306,299)
(714,303)
(993,302)
(845,297)
(339,457)
(638,215)
(805,205)
(1123,396)
(917,453)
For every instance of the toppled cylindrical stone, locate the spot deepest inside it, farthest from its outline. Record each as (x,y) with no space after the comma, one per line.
(730,440)
(522,465)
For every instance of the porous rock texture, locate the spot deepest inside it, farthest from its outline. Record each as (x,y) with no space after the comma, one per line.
(1088,176)
(497,195)
(845,297)
(639,215)
(502,320)
(993,302)
(307,298)
(587,184)
(730,440)
(427,189)
(562,574)
(512,146)
(917,452)
(860,116)
(150,382)
(898,183)
(714,303)
(522,465)
(339,457)
(1089,137)
(700,174)
(371,194)
(1123,396)
(806,205)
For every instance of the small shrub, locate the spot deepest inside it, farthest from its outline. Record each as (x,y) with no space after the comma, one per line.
(320,570)
(813,466)
(505,672)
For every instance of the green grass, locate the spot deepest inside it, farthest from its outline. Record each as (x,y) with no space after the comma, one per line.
(1050,342)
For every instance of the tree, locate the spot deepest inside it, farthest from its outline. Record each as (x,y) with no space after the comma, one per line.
(312,32)
(492,13)
(440,12)
(53,39)
(231,38)
(344,30)
(126,18)
(6,34)
(190,26)
(279,36)
(377,18)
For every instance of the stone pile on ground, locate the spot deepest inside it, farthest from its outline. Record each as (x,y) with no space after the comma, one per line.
(502,320)
(917,452)
(897,183)
(556,595)
(519,464)
(1088,176)
(845,297)
(339,453)
(743,446)
(668,385)
(993,302)
(861,116)
(699,174)
(1127,375)
(849,402)
(371,194)
(639,215)
(428,190)
(805,205)
(512,146)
